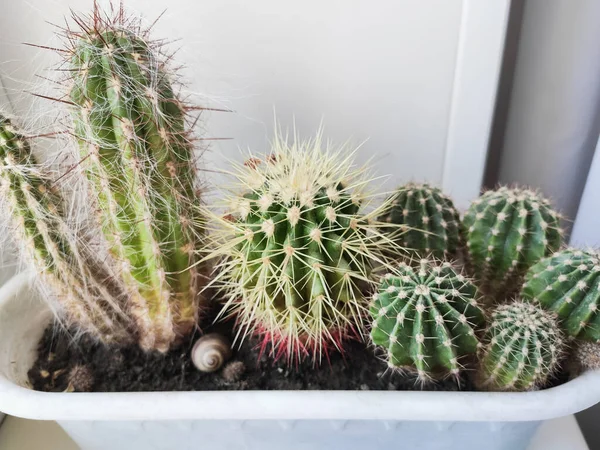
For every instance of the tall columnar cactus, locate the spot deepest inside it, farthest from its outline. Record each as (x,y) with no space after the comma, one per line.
(509,230)
(80,285)
(426,318)
(298,249)
(523,347)
(429,222)
(138,155)
(568,283)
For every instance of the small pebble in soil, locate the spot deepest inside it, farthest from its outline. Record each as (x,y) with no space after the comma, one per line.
(233,371)
(81,379)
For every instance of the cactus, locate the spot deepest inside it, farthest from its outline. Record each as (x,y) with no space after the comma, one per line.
(429,222)
(568,283)
(138,155)
(80,285)
(426,318)
(585,356)
(509,230)
(523,347)
(297,249)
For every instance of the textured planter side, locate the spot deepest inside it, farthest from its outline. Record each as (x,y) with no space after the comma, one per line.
(270,419)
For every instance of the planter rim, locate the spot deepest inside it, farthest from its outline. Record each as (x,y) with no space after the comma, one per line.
(569,398)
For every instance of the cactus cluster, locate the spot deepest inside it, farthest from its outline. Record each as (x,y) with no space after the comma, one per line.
(80,284)
(568,283)
(299,244)
(509,230)
(523,348)
(429,224)
(298,248)
(137,153)
(426,318)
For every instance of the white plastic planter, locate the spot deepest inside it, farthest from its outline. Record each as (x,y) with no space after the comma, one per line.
(270,420)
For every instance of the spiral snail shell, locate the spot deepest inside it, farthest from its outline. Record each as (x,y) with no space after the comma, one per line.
(210,352)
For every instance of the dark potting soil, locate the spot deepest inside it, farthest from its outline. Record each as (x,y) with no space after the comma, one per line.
(111,369)
(85,365)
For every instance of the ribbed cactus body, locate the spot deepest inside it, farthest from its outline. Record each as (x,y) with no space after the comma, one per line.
(79,283)
(140,162)
(523,346)
(585,356)
(298,249)
(429,222)
(426,318)
(568,283)
(509,230)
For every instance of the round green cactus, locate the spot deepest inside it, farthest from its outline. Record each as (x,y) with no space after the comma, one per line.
(523,346)
(298,249)
(138,153)
(509,230)
(568,283)
(426,318)
(429,222)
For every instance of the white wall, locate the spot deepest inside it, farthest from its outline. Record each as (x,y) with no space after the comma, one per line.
(381,72)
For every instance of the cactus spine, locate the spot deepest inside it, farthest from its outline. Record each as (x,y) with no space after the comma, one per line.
(429,222)
(509,230)
(523,346)
(298,249)
(568,283)
(426,318)
(139,158)
(80,286)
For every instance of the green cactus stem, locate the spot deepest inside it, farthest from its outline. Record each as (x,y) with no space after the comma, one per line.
(509,230)
(297,248)
(568,283)
(429,222)
(138,154)
(426,318)
(79,285)
(523,347)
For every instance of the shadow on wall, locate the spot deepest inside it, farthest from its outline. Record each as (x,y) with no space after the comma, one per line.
(547,116)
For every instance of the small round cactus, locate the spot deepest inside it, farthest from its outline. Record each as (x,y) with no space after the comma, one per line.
(509,230)
(298,249)
(523,346)
(426,318)
(568,283)
(586,356)
(429,224)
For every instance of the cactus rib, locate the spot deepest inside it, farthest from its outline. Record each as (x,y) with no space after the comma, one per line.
(429,222)
(426,318)
(139,158)
(509,230)
(568,283)
(523,347)
(297,249)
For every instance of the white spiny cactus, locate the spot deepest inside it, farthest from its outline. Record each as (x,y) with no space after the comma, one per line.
(299,243)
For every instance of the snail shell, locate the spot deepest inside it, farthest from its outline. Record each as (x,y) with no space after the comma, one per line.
(210,352)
